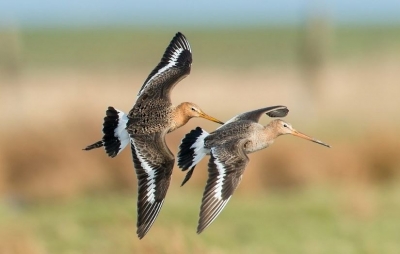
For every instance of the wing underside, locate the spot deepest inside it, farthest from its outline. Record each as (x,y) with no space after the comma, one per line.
(153,165)
(225,170)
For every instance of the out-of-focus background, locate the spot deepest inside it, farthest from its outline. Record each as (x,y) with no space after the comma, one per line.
(334,64)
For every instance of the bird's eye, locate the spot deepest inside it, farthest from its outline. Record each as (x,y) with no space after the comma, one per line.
(193,109)
(285,125)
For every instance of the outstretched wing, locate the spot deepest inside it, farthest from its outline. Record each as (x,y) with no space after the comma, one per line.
(174,66)
(153,164)
(225,170)
(254,115)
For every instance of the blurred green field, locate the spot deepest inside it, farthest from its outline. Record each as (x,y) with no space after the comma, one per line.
(310,221)
(227,48)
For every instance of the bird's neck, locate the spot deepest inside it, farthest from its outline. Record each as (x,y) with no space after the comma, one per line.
(179,117)
(270,133)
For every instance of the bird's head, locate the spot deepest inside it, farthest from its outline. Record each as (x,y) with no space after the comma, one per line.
(190,110)
(281,128)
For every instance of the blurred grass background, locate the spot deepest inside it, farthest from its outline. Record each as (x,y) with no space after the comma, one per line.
(341,84)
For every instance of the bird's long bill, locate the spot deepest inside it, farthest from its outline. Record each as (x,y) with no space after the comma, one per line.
(205,116)
(302,135)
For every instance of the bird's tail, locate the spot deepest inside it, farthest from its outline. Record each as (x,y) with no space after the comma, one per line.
(115,136)
(191,151)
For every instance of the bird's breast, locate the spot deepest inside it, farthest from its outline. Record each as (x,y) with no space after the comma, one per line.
(256,143)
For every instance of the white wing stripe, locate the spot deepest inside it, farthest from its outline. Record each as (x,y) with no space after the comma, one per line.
(174,58)
(151,178)
(171,63)
(220,179)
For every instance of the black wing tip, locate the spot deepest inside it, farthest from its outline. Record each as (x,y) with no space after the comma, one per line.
(201,226)
(141,232)
(209,217)
(146,220)
(204,224)
(280,111)
(179,35)
(181,40)
(181,59)
(186,152)
(143,229)
(199,230)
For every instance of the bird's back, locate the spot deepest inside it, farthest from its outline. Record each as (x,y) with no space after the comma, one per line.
(153,115)
(233,131)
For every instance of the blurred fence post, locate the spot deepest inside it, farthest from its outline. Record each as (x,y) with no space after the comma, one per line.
(315,44)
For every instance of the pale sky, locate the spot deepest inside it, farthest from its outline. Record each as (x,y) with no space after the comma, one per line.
(49,13)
